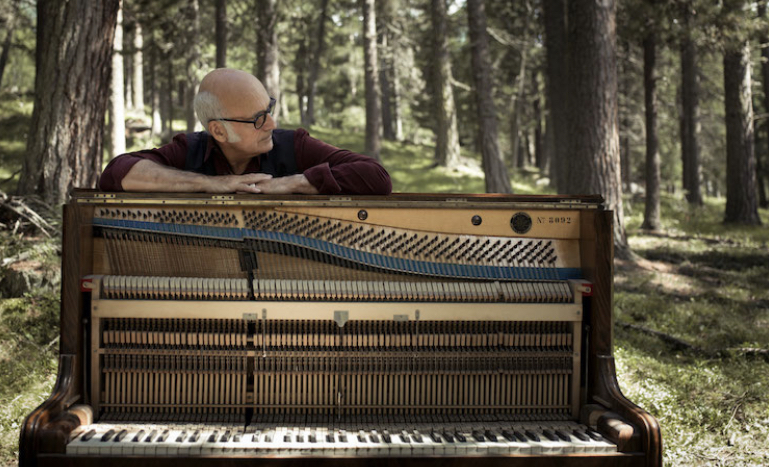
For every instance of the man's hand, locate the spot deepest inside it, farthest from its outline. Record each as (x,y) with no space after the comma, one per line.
(285,185)
(148,176)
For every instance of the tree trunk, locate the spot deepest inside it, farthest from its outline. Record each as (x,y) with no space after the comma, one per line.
(557,91)
(64,148)
(268,66)
(762,157)
(116,103)
(193,61)
(385,71)
(156,127)
(741,202)
(221,33)
(320,42)
(690,113)
(652,203)
(624,87)
(592,91)
(446,134)
(10,25)
(540,156)
(518,103)
(373,92)
(138,69)
(497,179)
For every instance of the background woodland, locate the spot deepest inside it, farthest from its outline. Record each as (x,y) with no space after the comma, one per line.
(662,107)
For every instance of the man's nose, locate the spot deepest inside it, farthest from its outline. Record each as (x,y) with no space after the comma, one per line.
(269,124)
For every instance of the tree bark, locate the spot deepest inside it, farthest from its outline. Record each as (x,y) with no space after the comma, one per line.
(138,69)
(10,27)
(385,84)
(592,99)
(268,66)
(497,179)
(690,113)
(312,82)
(65,142)
(446,133)
(762,157)
(192,62)
(116,103)
(221,33)
(557,91)
(373,91)
(652,203)
(741,202)
(156,127)
(540,156)
(518,158)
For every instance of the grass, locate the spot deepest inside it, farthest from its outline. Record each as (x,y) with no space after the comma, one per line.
(699,281)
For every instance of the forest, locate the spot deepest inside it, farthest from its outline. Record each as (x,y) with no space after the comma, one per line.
(661,107)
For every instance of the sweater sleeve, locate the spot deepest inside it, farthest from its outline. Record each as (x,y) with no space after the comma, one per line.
(338,171)
(173,154)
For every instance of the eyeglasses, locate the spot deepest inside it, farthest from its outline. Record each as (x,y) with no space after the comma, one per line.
(258,121)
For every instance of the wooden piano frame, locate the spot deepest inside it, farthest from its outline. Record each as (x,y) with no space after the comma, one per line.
(45,431)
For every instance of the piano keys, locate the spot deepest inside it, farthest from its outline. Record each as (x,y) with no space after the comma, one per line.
(234,330)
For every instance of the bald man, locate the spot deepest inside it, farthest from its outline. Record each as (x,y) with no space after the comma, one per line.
(244,152)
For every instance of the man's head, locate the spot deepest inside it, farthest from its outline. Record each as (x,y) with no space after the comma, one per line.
(233,94)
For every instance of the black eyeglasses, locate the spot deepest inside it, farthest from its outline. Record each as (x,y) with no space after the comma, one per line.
(258,120)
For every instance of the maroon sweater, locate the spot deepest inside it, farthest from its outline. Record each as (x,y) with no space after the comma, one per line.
(329,169)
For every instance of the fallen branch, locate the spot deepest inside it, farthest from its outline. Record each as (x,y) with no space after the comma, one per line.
(683,346)
(674,342)
(20,207)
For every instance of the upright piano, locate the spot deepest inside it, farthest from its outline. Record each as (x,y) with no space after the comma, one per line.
(409,329)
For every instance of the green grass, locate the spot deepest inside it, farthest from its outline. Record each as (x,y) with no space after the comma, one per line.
(700,281)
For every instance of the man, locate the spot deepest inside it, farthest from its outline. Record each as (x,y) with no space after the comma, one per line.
(242,151)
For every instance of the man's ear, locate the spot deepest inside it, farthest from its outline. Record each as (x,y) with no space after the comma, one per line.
(217,130)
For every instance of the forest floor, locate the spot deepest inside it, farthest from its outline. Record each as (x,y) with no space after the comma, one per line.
(691,326)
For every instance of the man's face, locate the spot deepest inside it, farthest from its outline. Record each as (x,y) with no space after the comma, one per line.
(246,105)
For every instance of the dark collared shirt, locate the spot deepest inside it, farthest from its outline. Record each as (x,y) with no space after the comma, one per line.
(329,169)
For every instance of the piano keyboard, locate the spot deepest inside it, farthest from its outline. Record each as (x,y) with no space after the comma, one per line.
(488,439)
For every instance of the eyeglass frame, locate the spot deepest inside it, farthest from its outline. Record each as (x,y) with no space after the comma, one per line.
(263,114)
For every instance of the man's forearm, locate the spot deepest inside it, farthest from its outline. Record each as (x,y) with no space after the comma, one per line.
(149,176)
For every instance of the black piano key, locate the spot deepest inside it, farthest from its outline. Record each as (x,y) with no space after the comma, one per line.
(404,436)
(312,438)
(268,437)
(386,437)
(532,436)
(180,438)
(595,435)
(286,438)
(564,436)
(88,435)
(342,437)
(374,438)
(150,436)
(194,437)
(491,436)
(109,434)
(361,437)
(120,435)
(435,437)
(478,436)
(163,436)
(212,437)
(417,437)
(580,435)
(448,437)
(460,437)
(550,435)
(508,436)
(299,438)
(138,436)
(225,437)
(520,436)
(330,438)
